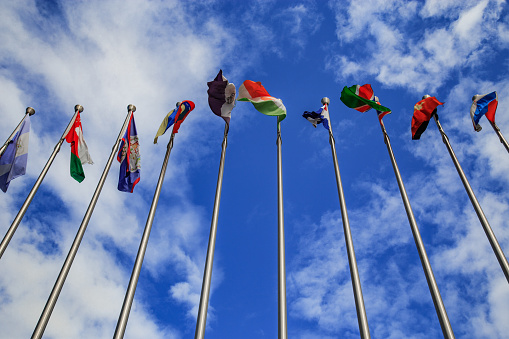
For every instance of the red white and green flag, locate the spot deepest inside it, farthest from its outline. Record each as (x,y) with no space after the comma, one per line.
(361,98)
(261,99)
(79,150)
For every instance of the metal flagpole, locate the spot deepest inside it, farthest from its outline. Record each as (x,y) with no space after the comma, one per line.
(129,295)
(502,260)
(30,111)
(356,282)
(55,292)
(201,321)
(500,136)
(282,324)
(426,266)
(28,200)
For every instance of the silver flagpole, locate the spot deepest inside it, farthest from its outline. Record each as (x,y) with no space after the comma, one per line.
(201,321)
(55,292)
(28,200)
(500,136)
(356,282)
(502,260)
(426,266)
(129,295)
(29,111)
(282,324)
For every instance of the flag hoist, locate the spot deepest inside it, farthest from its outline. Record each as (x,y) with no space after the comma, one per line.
(59,283)
(322,117)
(486,104)
(175,118)
(28,113)
(255,93)
(423,111)
(221,101)
(28,200)
(365,98)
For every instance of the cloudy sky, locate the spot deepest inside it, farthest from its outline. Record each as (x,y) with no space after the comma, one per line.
(105,55)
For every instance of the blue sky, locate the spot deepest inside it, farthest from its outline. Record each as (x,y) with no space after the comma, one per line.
(105,55)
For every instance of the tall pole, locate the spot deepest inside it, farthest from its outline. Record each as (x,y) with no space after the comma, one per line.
(426,266)
(356,282)
(502,260)
(282,324)
(207,274)
(129,296)
(28,200)
(55,292)
(500,136)
(29,111)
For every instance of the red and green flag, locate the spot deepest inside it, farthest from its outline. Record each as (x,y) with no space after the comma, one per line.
(79,150)
(362,99)
(255,93)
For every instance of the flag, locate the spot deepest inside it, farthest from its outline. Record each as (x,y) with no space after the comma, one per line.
(380,114)
(483,105)
(262,101)
(321,116)
(79,150)
(175,118)
(361,98)
(13,162)
(129,158)
(423,111)
(221,96)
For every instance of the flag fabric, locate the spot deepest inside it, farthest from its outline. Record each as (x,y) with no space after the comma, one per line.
(129,158)
(79,150)
(361,98)
(261,99)
(423,111)
(221,96)
(483,104)
(380,114)
(13,162)
(175,118)
(321,116)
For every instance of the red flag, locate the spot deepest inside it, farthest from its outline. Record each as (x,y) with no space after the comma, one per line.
(423,110)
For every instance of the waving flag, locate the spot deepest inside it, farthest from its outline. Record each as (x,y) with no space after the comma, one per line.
(129,158)
(485,104)
(380,114)
(321,116)
(361,98)
(79,150)
(261,100)
(13,162)
(423,111)
(175,117)
(221,96)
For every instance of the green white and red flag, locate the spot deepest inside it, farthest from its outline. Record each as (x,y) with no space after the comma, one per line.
(79,150)
(362,99)
(261,99)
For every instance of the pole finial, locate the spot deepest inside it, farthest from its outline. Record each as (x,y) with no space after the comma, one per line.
(30,111)
(131,107)
(325,101)
(78,108)
(426,96)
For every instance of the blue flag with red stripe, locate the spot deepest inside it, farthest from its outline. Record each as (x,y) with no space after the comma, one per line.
(129,158)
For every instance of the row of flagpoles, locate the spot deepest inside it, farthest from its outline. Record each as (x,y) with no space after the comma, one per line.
(222,96)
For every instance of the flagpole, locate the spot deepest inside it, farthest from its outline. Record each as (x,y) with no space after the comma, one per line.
(201,320)
(29,111)
(282,323)
(356,282)
(55,292)
(28,200)
(502,260)
(129,296)
(500,136)
(426,265)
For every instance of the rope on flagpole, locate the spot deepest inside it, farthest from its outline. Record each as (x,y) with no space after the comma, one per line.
(28,200)
(356,282)
(201,320)
(29,111)
(426,265)
(55,292)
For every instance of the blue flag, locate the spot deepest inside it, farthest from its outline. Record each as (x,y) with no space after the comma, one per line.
(129,158)
(13,162)
(321,116)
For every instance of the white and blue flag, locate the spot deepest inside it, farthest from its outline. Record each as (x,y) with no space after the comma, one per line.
(321,116)
(13,162)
